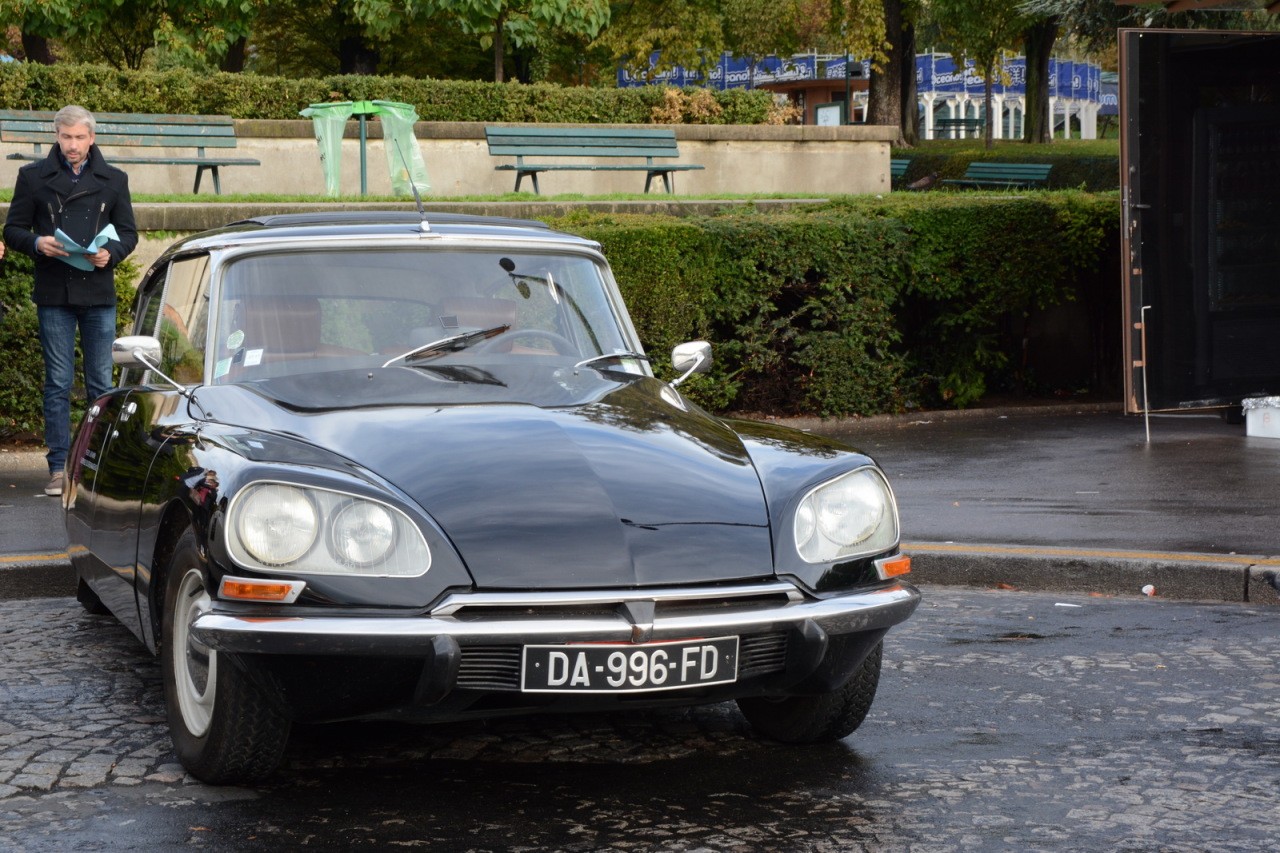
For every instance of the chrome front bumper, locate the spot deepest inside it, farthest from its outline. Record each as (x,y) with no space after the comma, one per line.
(616,616)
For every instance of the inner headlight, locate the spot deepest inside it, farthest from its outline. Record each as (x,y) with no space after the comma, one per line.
(362,532)
(852,515)
(299,529)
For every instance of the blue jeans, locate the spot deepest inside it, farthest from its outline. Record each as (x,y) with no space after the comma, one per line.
(58,325)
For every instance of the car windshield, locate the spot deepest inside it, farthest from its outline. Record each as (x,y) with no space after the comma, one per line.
(290,313)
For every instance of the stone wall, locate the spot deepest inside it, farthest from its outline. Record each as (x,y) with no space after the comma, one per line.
(739,159)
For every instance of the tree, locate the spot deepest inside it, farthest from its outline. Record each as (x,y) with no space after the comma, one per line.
(522,23)
(681,32)
(981,30)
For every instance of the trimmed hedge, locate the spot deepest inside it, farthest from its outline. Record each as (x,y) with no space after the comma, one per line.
(28,86)
(864,305)
(855,307)
(1070,171)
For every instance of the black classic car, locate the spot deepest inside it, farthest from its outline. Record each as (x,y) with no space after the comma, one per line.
(418,467)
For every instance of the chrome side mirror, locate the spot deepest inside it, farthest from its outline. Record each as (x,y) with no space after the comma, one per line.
(143,353)
(690,358)
(136,351)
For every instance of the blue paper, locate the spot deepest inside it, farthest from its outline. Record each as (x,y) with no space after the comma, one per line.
(78,257)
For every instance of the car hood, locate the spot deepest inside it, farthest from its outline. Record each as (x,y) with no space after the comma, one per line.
(630,486)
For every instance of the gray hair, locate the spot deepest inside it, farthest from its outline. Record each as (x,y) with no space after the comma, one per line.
(71,116)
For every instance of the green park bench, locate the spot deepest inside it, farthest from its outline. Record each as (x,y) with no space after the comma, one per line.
(589,143)
(957,128)
(897,170)
(136,130)
(1003,175)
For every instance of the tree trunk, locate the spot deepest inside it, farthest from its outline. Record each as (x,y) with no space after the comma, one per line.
(356,56)
(988,120)
(884,91)
(910,101)
(1038,41)
(499,47)
(37,49)
(234,60)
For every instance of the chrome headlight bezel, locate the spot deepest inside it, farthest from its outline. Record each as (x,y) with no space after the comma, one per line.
(849,516)
(386,544)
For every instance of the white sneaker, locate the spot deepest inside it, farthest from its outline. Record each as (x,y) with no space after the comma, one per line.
(55,485)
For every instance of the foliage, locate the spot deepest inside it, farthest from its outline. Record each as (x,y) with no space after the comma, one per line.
(522,23)
(1092,165)
(30,86)
(858,306)
(21,365)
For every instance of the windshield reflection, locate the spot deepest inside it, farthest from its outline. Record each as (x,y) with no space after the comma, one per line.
(293,313)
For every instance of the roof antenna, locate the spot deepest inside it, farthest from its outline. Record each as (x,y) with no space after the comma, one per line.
(425,226)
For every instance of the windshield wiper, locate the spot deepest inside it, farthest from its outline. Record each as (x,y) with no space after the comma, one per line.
(453,343)
(609,356)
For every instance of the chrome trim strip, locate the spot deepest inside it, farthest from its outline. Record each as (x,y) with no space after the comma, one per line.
(387,635)
(453,603)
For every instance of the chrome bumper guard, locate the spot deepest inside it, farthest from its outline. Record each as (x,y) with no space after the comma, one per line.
(548,617)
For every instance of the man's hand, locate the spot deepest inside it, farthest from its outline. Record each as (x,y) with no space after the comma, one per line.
(100,258)
(50,247)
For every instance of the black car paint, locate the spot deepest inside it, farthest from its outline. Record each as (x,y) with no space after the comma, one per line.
(495,485)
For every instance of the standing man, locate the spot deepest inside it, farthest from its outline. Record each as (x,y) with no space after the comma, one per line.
(72,212)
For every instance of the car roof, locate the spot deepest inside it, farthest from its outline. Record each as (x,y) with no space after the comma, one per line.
(374,223)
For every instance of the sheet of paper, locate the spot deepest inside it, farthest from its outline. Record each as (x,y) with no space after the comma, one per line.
(79,254)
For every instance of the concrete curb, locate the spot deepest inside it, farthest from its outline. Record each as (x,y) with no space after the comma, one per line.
(1183,577)
(37,576)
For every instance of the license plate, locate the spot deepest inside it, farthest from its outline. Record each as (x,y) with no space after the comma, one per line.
(626,668)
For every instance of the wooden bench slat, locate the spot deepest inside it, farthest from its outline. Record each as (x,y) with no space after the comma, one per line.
(136,130)
(586,143)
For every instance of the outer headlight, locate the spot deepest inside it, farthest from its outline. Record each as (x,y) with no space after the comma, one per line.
(850,516)
(276,526)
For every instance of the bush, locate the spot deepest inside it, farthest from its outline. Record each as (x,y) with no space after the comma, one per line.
(21,365)
(27,86)
(858,306)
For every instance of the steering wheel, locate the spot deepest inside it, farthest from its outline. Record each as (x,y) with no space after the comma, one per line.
(504,342)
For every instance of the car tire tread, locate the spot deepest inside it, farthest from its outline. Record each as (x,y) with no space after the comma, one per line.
(821,718)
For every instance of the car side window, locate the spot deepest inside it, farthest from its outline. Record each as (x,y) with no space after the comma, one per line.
(183,319)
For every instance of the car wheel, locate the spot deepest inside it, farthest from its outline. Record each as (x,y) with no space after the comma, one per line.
(815,719)
(89,599)
(225,728)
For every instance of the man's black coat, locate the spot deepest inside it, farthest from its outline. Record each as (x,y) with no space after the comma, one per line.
(45,198)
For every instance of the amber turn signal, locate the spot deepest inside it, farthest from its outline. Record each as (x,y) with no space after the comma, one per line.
(251,589)
(892,567)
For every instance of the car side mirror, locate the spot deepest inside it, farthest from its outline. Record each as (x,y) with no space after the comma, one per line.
(690,358)
(136,351)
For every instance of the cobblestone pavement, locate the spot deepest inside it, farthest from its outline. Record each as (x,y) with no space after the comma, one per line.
(1005,721)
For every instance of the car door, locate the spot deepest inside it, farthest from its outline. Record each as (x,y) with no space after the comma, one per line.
(132,429)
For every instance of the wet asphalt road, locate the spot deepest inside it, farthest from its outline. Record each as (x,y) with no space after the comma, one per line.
(1005,721)
(1088,480)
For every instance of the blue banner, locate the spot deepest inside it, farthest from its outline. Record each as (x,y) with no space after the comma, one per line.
(935,73)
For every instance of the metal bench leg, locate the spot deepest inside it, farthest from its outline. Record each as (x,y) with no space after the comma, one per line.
(666,180)
(217,184)
(520,176)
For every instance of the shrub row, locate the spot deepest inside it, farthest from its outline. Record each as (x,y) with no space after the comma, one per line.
(29,86)
(864,305)
(1070,171)
(854,307)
